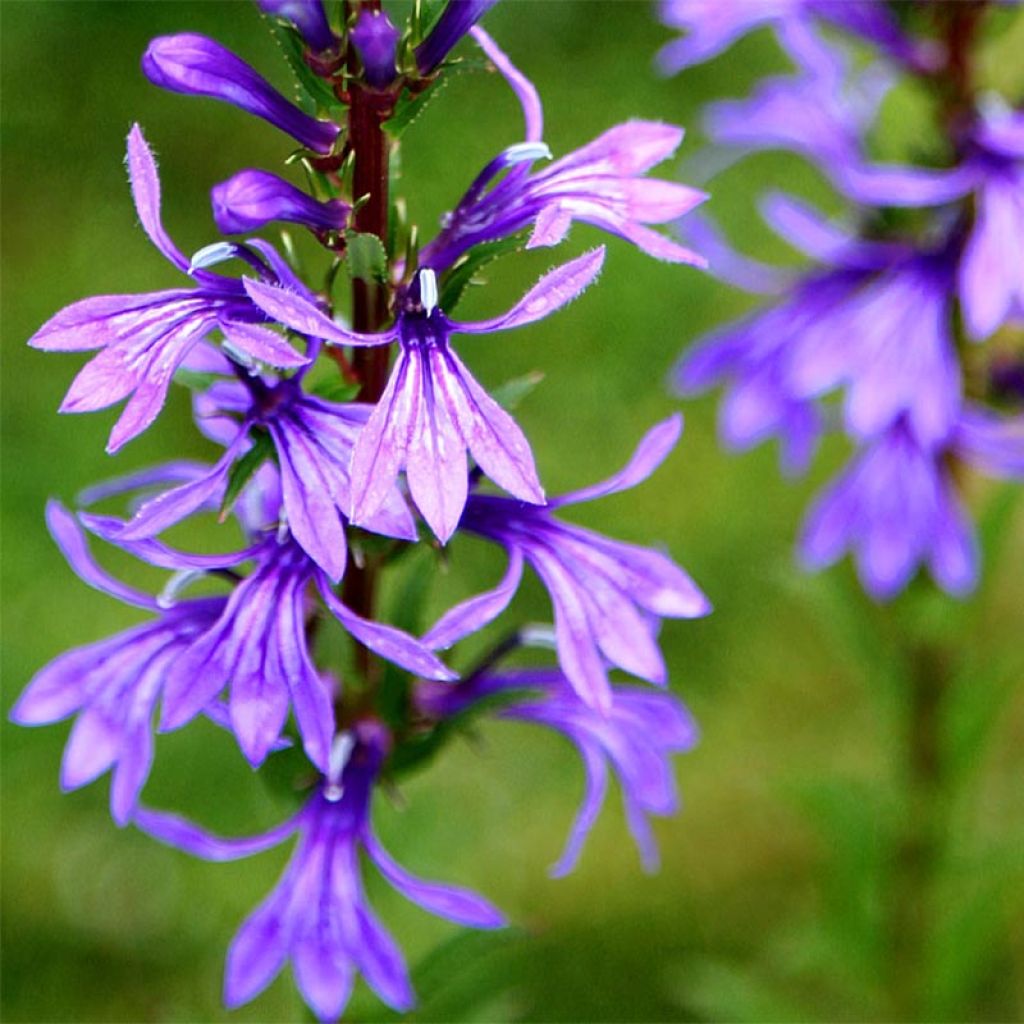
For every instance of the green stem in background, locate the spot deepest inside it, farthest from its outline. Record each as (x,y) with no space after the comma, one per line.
(367,112)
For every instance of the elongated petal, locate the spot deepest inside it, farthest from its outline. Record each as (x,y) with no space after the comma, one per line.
(650,453)
(474,613)
(262,345)
(185,835)
(555,289)
(526,93)
(298,313)
(252,199)
(452,902)
(146,192)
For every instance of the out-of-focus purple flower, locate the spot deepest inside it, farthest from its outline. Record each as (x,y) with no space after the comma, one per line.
(824,116)
(257,646)
(198,66)
(433,410)
(895,507)
(601,183)
(607,595)
(458,17)
(314,441)
(252,199)
(318,915)
(307,16)
(712,26)
(113,685)
(145,338)
(991,272)
(636,734)
(376,39)
(994,444)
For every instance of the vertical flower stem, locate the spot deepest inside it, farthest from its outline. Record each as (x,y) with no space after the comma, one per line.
(367,112)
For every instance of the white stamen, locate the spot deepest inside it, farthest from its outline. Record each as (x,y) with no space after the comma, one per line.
(168,597)
(341,751)
(236,355)
(428,290)
(527,152)
(209,255)
(538,635)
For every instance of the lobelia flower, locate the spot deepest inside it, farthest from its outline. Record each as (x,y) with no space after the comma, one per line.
(197,66)
(318,915)
(636,734)
(433,410)
(458,18)
(145,338)
(307,16)
(714,25)
(257,645)
(376,40)
(607,595)
(251,199)
(313,440)
(601,184)
(114,684)
(991,273)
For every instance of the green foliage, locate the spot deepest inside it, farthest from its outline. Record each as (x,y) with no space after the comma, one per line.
(312,93)
(367,258)
(242,471)
(462,274)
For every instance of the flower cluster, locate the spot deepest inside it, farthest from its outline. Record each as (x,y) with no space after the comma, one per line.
(887,314)
(329,482)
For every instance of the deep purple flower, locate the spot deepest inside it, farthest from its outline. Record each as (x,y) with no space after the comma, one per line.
(318,915)
(991,272)
(113,685)
(458,17)
(714,25)
(433,410)
(307,16)
(258,648)
(376,39)
(637,733)
(607,595)
(252,199)
(313,439)
(601,183)
(198,66)
(896,507)
(145,338)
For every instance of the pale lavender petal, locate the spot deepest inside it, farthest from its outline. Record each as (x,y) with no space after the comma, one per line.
(551,226)
(554,290)
(92,747)
(262,344)
(448,901)
(381,961)
(533,113)
(993,443)
(954,557)
(593,800)
(256,954)
(146,192)
(474,613)
(185,835)
(650,453)
(175,472)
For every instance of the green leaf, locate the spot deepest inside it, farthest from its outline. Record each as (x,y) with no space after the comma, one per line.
(461,275)
(367,259)
(313,94)
(513,391)
(410,106)
(335,389)
(424,15)
(243,469)
(194,380)
(288,774)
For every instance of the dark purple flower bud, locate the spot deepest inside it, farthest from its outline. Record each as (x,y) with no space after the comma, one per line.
(307,16)
(196,65)
(456,20)
(375,39)
(251,199)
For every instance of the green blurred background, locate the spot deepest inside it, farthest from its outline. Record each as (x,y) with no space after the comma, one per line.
(781,876)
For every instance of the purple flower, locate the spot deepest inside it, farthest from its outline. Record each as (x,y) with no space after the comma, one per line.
(313,439)
(896,507)
(991,274)
(376,39)
(252,199)
(601,183)
(994,444)
(824,114)
(145,338)
(714,25)
(637,733)
(113,685)
(257,646)
(433,410)
(318,915)
(458,17)
(198,66)
(607,595)
(308,17)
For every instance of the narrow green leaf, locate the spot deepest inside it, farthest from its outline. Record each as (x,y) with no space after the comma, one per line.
(195,380)
(513,391)
(410,106)
(312,93)
(243,469)
(335,389)
(367,259)
(461,276)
